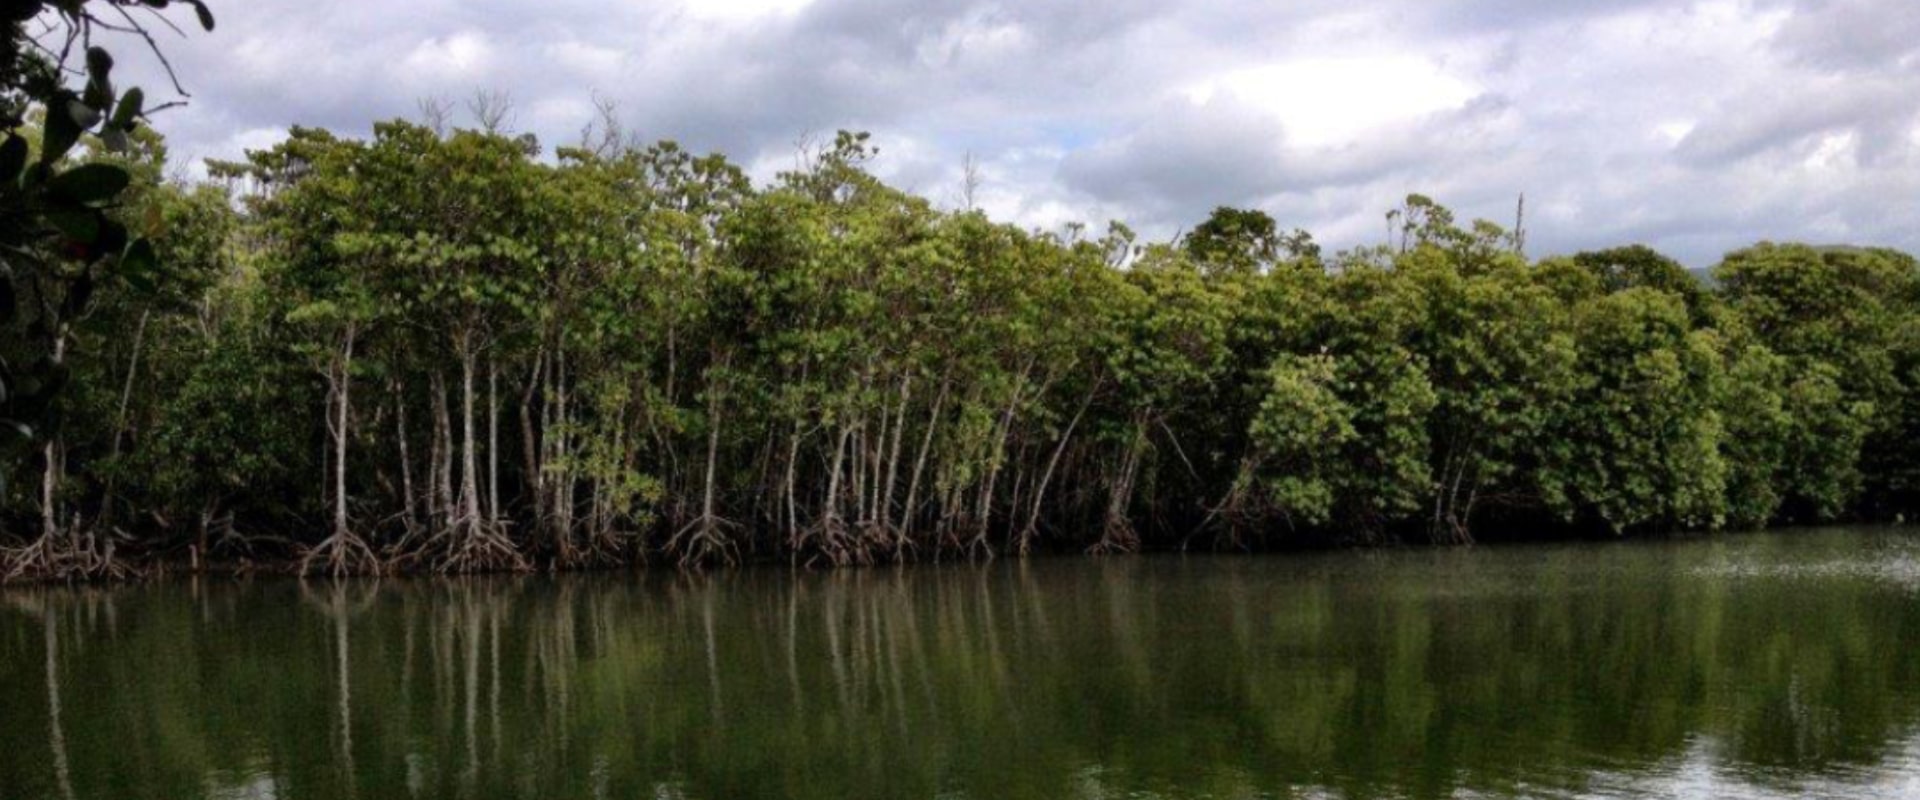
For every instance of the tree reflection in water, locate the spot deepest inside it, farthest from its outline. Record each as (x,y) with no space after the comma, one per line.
(1765,665)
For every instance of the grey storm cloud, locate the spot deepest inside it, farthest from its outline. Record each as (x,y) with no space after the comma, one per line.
(1877,109)
(1692,126)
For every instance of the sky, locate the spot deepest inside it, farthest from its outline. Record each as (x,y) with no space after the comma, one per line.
(1694,127)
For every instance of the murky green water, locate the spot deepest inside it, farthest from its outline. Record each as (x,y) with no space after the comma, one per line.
(1776,665)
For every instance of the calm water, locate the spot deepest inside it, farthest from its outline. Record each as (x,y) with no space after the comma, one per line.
(1776,665)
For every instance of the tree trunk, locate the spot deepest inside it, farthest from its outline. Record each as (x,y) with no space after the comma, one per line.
(469,455)
(493,444)
(791,489)
(50,489)
(443,454)
(857,472)
(406,459)
(530,445)
(713,456)
(1117,533)
(893,455)
(830,522)
(561,483)
(50,478)
(120,418)
(344,401)
(996,459)
(1053,462)
(908,512)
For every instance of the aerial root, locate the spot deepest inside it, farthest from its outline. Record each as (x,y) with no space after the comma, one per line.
(875,536)
(1023,544)
(979,548)
(342,554)
(480,550)
(703,541)
(1117,536)
(468,546)
(601,549)
(77,556)
(835,543)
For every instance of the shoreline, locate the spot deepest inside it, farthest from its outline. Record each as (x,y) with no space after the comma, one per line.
(132,571)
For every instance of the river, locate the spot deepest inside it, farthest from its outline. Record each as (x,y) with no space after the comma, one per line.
(1781,664)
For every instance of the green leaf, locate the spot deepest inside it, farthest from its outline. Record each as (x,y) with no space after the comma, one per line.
(60,135)
(13,158)
(98,98)
(90,183)
(81,224)
(129,108)
(153,222)
(200,10)
(139,263)
(99,62)
(114,138)
(84,115)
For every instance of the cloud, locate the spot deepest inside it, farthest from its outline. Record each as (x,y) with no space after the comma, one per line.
(460,57)
(1757,122)
(1691,125)
(1852,35)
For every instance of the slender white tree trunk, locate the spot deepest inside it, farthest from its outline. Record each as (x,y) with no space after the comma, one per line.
(344,405)
(50,478)
(469,455)
(493,442)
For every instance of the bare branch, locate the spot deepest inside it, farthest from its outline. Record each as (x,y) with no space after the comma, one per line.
(605,136)
(155,13)
(970,181)
(492,110)
(152,46)
(434,112)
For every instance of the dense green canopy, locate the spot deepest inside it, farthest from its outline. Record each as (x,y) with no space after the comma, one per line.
(449,350)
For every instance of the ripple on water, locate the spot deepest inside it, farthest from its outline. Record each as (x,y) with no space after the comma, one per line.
(1704,772)
(1900,570)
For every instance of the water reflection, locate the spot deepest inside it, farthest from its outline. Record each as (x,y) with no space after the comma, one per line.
(1758,666)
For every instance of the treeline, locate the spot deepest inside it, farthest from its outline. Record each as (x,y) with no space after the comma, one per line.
(445,351)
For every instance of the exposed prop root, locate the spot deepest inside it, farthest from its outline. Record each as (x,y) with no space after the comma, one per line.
(480,550)
(905,549)
(1230,520)
(704,541)
(66,556)
(600,550)
(837,545)
(948,540)
(463,547)
(979,548)
(342,554)
(1117,536)
(1023,544)
(875,537)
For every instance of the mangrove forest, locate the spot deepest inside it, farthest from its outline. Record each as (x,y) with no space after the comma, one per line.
(449,346)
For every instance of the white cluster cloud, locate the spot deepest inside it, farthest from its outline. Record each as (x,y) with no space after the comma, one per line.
(1695,127)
